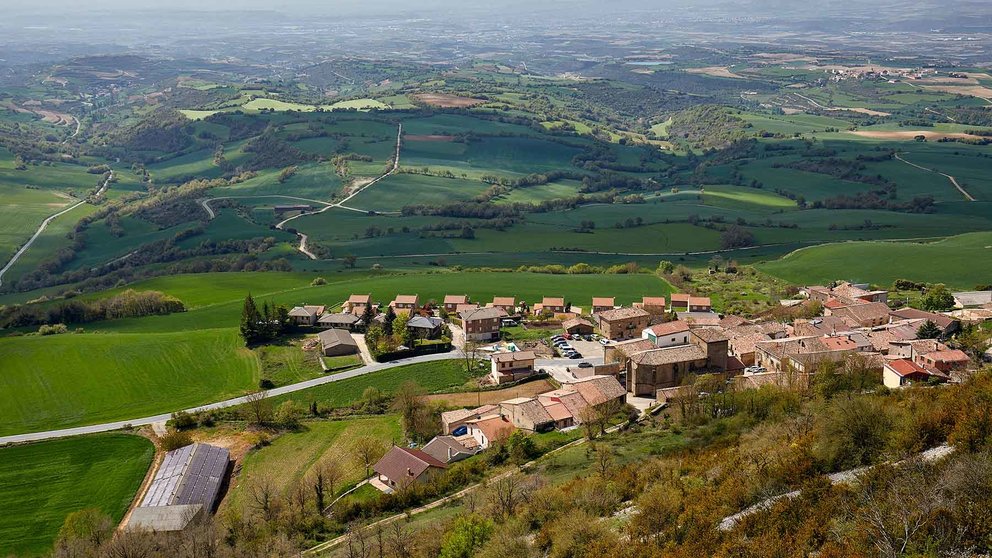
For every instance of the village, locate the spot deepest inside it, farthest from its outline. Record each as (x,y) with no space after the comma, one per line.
(605,356)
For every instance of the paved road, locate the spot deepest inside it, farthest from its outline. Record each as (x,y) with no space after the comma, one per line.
(44,225)
(117,425)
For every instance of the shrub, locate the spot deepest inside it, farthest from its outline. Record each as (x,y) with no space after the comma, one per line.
(52,329)
(266,383)
(175,440)
(289,413)
(318,282)
(181,420)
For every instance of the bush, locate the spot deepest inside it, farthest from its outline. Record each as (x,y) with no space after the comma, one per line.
(289,413)
(181,420)
(175,440)
(318,282)
(266,383)
(52,329)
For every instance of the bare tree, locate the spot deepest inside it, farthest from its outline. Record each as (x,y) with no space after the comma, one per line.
(258,407)
(505,495)
(897,505)
(358,546)
(399,541)
(368,450)
(323,479)
(262,495)
(603,460)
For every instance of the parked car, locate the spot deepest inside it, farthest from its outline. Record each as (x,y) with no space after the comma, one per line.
(585,365)
(604,342)
(567,336)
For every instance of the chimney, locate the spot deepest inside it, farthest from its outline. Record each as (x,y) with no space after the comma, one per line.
(409,472)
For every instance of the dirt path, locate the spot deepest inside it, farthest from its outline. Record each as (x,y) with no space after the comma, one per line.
(953,180)
(44,225)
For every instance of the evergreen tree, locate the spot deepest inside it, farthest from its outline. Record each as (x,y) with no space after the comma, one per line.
(928,330)
(250,319)
(387,325)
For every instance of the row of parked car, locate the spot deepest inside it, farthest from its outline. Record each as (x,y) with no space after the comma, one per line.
(560,343)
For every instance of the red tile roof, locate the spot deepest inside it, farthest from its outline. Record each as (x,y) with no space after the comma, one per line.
(653,301)
(603,301)
(699,301)
(905,367)
(680,297)
(669,328)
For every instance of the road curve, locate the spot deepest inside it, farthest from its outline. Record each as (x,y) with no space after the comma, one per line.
(44,225)
(117,425)
(953,180)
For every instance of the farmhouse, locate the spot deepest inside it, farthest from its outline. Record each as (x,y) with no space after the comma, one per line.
(448,449)
(482,324)
(490,429)
(343,320)
(902,372)
(577,326)
(944,361)
(306,315)
(401,467)
(602,304)
(453,420)
(405,303)
(700,304)
(654,305)
(868,314)
(554,305)
(337,342)
(667,334)
(512,366)
(679,302)
(623,323)
(507,303)
(425,327)
(451,302)
(527,413)
(184,489)
(357,304)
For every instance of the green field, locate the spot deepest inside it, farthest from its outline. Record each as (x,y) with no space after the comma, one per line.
(43,482)
(961,262)
(76,379)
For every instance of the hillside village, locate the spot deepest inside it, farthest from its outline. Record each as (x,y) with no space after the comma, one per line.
(606,357)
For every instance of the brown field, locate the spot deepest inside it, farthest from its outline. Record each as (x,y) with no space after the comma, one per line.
(910,134)
(715,71)
(444,100)
(970,90)
(783,57)
(862,111)
(470,398)
(429,138)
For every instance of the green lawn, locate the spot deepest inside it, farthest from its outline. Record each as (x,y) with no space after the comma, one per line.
(41,483)
(961,262)
(431,376)
(76,379)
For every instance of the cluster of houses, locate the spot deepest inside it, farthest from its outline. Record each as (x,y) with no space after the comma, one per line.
(856,320)
(466,432)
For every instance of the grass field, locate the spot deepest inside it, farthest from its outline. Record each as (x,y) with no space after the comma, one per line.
(75,379)
(41,483)
(431,376)
(481,286)
(961,262)
(21,211)
(294,454)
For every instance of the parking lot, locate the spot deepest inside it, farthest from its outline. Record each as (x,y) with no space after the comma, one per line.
(588,349)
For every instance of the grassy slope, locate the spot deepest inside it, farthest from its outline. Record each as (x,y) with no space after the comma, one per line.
(41,483)
(72,380)
(961,262)
(294,454)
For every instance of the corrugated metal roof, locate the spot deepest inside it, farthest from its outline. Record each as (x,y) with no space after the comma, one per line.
(189,475)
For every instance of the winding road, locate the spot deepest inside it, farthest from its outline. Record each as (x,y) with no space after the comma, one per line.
(44,225)
(281,225)
(953,180)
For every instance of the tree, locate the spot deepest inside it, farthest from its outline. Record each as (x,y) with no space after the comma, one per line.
(350,260)
(388,319)
(937,299)
(367,450)
(973,340)
(928,330)
(736,237)
(466,536)
(250,321)
(258,407)
(322,480)
(88,525)
(289,413)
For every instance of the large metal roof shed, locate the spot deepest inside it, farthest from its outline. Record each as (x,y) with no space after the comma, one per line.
(184,488)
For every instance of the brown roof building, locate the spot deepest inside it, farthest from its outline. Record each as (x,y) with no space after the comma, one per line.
(451,302)
(602,304)
(623,323)
(401,467)
(482,324)
(871,314)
